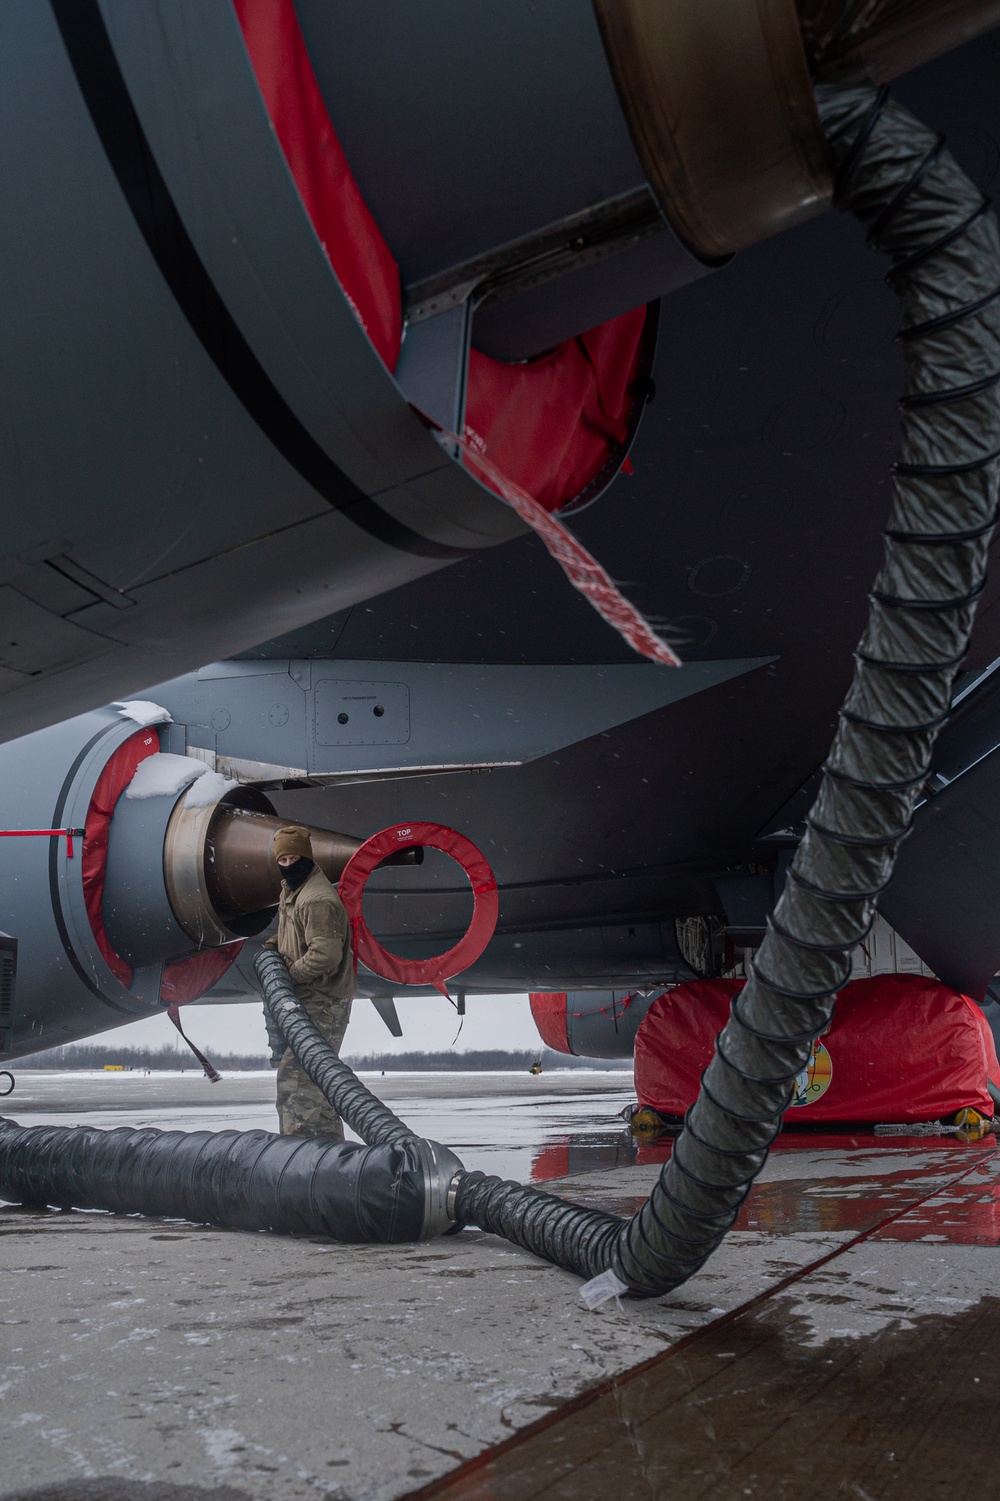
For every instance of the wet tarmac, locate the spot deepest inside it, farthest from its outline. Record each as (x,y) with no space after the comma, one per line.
(500,1123)
(839,1343)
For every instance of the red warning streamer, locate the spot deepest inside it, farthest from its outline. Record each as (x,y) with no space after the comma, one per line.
(434,971)
(583,571)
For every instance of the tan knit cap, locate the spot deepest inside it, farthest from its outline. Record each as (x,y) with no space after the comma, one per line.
(293,839)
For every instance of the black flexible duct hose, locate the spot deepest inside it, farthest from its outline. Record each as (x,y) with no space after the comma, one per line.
(524,1215)
(945,265)
(242,1180)
(396,1188)
(363,1112)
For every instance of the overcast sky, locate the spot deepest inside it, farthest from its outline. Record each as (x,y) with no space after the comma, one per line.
(429,1022)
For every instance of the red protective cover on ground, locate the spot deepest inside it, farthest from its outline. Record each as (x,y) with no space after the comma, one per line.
(552,424)
(900,1048)
(548,1008)
(185,980)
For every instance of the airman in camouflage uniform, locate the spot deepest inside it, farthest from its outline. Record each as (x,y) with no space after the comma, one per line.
(314,939)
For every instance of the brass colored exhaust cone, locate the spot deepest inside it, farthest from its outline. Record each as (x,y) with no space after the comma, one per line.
(239,862)
(240,866)
(874,41)
(221,875)
(720,105)
(718,97)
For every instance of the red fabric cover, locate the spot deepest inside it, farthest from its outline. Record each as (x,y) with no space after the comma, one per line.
(902,1049)
(186,979)
(548,1010)
(582,570)
(551,424)
(360,258)
(192,977)
(110,785)
(441,967)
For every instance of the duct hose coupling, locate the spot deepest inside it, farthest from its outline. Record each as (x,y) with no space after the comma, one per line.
(442,1172)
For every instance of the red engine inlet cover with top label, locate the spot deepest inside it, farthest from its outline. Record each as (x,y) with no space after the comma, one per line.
(437,970)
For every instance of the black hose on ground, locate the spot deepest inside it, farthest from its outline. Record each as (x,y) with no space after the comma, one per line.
(398,1187)
(241,1180)
(524,1215)
(945,256)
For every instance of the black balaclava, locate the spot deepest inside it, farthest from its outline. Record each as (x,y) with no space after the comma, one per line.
(296,873)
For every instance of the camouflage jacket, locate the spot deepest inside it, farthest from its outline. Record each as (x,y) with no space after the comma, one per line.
(314,937)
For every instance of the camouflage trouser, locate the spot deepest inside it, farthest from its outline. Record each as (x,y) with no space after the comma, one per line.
(303,1110)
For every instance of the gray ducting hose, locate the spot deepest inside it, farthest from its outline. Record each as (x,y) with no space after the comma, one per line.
(945,265)
(242,1180)
(923,212)
(363,1111)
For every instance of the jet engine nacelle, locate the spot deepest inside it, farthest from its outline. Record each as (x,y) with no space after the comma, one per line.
(66,988)
(152,904)
(590,1023)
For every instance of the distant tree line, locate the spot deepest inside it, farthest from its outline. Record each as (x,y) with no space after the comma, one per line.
(481,1060)
(97,1055)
